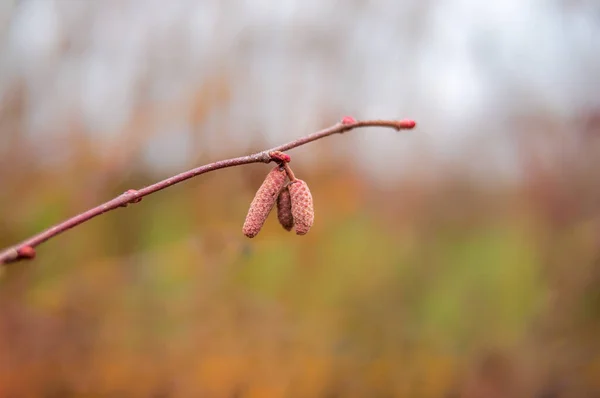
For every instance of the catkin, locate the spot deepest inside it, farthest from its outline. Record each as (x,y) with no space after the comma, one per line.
(302,206)
(284,209)
(263,201)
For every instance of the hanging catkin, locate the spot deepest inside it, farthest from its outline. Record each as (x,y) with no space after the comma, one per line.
(263,201)
(302,206)
(284,209)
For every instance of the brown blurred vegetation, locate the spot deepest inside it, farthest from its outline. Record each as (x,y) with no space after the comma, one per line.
(435,286)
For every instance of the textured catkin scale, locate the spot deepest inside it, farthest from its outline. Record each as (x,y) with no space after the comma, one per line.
(263,201)
(284,209)
(302,206)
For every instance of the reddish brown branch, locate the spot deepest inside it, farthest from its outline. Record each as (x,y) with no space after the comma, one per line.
(25,249)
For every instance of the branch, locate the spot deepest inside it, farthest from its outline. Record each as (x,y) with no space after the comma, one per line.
(25,249)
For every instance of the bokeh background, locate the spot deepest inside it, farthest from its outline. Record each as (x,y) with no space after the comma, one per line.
(461,259)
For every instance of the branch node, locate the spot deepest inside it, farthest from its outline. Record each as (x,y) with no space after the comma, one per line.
(346,120)
(263,156)
(131,192)
(280,157)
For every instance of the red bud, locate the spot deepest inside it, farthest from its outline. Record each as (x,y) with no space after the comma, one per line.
(26,252)
(348,120)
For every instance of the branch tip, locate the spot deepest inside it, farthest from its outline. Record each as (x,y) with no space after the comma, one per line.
(13,255)
(9,256)
(26,252)
(405,124)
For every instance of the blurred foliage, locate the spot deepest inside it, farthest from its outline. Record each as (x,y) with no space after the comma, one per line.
(395,292)
(423,288)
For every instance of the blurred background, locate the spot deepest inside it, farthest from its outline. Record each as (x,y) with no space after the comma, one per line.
(461,259)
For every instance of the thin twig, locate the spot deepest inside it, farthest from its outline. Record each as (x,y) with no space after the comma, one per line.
(25,249)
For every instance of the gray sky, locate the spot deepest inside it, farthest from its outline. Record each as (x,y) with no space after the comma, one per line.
(464,69)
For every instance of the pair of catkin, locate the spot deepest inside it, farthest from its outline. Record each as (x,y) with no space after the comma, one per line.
(294,204)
